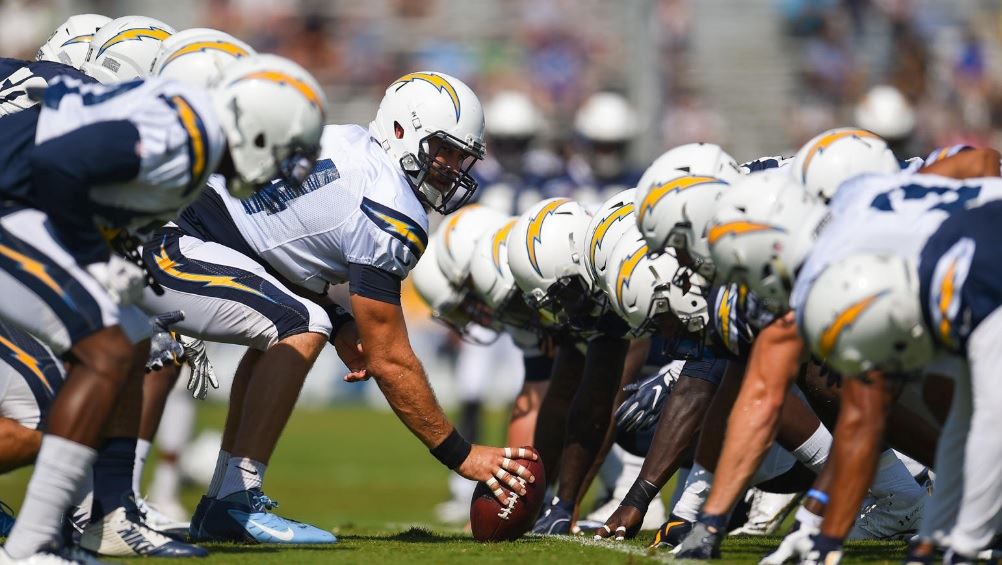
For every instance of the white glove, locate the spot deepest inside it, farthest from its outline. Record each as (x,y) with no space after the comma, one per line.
(794,546)
(202,373)
(164,348)
(123,280)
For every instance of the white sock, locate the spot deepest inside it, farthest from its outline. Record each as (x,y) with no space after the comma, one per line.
(142,452)
(813,453)
(59,469)
(166,482)
(893,478)
(809,520)
(241,474)
(697,488)
(217,476)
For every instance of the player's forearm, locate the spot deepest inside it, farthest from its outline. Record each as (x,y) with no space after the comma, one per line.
(406,389)
(678,428)
(18,445)
(524,413)
(551,423)
(591,413)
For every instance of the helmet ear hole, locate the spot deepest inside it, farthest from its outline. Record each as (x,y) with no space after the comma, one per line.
(398,130)
(259,140)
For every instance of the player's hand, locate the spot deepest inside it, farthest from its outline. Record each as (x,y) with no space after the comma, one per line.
(123,280)
(203,375)
(794,546)
(164,349)
(349,349)
(624,523)
(642,409)
(496,466)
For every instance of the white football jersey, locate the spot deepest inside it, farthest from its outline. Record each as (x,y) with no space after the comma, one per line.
(180,139)
(355,207)
(895,213)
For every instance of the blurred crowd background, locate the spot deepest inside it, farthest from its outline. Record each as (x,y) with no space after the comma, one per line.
(759,77)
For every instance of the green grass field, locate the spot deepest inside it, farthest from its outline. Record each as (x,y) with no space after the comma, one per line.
(359,472)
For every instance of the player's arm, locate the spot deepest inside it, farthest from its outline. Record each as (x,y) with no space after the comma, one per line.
(18,445)
(390,360)
(751,428)
(525,408)
(551,424)
(969,163)
(63,171)
(591,412)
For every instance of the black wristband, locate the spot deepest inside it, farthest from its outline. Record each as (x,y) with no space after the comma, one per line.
(453,450)
(641,494)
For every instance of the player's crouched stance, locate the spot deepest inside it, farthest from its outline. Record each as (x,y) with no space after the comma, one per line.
(256,272)
(115,157)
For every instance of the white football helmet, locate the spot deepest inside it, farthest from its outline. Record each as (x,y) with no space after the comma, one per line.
(761,231)
(545,246)
(511,114)
(273,113)
(199,56)
(449,304)
(640,288)
(835,156)
(886,112)
(606,117)
(675,198)
(424,121)
(489,270)
(71,40)
(608,225)
(863,312)
(124,48)
(458,235)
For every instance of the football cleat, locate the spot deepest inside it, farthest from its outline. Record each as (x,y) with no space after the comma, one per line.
(953,558)
(68,555)
(123,534)
(701,543)
(795,545)
(555,521)
(671,533)
(894,516)
(6,520)
(154,519)
(767,512)
(245,517)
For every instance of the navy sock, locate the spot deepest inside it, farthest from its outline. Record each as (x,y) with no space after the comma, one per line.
(567,505)
(113,476)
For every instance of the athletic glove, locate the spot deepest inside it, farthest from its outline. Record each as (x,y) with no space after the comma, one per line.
(202,373)
(164,348)
(642,409)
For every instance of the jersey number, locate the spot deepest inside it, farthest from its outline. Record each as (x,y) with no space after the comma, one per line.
(938,197)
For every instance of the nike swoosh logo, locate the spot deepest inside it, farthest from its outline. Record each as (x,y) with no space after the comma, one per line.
(245,469)
(287,535)
(657,395)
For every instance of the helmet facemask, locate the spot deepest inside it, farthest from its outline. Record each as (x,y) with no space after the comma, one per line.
(440,174)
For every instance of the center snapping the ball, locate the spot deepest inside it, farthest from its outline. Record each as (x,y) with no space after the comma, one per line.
(492,521)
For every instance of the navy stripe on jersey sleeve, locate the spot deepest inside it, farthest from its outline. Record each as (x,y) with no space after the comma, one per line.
(64,169)
(710,370)
(374,283)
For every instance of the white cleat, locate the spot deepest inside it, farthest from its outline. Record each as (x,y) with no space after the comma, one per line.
(767,512)
(119,535)
(62,556)
(160,521)
(794,546)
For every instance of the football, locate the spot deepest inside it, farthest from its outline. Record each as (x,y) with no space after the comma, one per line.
(492,521)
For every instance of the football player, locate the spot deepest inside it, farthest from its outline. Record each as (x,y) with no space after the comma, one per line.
(95,159)
(732,247)
(256,272)
(906,308)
